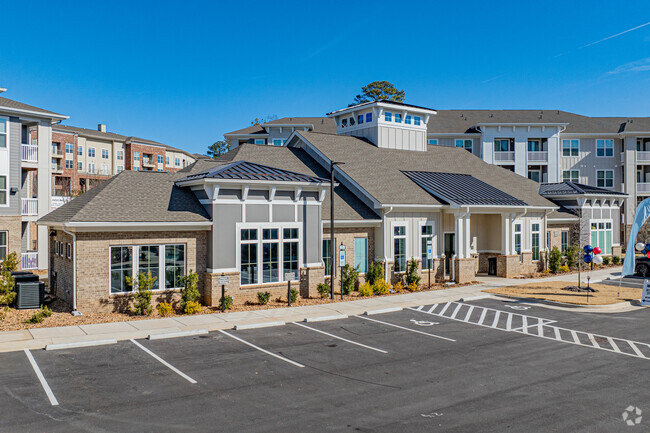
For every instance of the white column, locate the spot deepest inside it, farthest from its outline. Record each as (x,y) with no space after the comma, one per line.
(512,234)
(468,237)
(458,219)
(506,234)
(44,188)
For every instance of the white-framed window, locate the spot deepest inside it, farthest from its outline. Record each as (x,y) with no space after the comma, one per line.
(104,168)
(604,148)
(91,152)
(80,150)
(166,160)
(260,141)
(605,178)
(361,254)
(273,248)
(4,238)
(571,176)
(3,190)
(535,175)
(570,147)
(327,256)
(80,166)
(503,145)
(564,241)
(535,239)
(136,168)
(105,153)
(91,167)
(177,162)
(136,156)
(407,119)
(417,120)
(278,142)
(61,249)
(120,169)
(398,118)
(426,234)
(120,155)
(518,239)
(601,235)
(3,132)
(69,148)
(433,141)
(399,247)
(167,262)
(68,251)
(466,144)
(69,163)
(388,116)
(160,159)
(360,119)
(368,117)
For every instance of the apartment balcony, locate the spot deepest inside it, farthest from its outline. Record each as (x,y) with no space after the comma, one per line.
(29,206)
(643,187)
(30,260)
(147,162)
(643,157)
(29,153)
(537,156)
(56,153)
(57,169)
(504,156)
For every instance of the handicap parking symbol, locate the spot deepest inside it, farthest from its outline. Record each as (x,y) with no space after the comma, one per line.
(518,307)
(424,322)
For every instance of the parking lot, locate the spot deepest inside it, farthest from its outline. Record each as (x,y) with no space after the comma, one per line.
(485,365)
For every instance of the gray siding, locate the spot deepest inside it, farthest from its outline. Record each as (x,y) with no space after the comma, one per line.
(15,180)
(257,213)
(223,242)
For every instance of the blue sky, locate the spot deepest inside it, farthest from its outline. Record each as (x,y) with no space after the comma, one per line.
(184,73)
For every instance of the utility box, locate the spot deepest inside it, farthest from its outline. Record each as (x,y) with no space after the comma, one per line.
(30,294)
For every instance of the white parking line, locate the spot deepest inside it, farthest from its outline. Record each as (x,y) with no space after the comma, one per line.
(482,318)
(636,349)
(262,350)
(469,313)
(433,307)
(339,338)
(593,341)
(444,308)
(41,378)
(163,362)
(406,329)
(496,319)
(614,346)
(453,315)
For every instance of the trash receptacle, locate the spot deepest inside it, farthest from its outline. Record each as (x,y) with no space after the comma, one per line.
(492,265)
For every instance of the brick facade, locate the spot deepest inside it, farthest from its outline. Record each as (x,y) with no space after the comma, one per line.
(153,153)
(346,236)
(13,226)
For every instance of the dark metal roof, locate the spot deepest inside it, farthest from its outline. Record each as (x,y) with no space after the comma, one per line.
(573,188)
(244,170)
(462,189)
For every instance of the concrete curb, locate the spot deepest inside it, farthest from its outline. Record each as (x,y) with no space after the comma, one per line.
(77,344)
(325,318)
(177,334)
(259,325)
(382,311)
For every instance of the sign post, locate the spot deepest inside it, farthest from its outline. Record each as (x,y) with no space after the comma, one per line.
(645,297)
(341,264)
(289,277)
(223,280)
(429,257)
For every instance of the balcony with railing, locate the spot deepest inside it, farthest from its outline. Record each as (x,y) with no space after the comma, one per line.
(30,260)
(56,152)
(537,156)
(29,153)
(643,187)
(504,156)
(29,206)
(56,168)
(643,156)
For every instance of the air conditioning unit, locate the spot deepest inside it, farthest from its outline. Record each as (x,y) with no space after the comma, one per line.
(30,294)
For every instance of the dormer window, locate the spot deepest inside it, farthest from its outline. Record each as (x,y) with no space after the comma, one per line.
(344,123)
(388,117)
(416,121)
(407,120)
(398,118)
(368,117)
(352,121)
(360,119)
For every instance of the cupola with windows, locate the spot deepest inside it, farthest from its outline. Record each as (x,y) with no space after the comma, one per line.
(387,124)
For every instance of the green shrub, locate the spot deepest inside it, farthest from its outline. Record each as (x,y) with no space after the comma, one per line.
(165,308)
(192,307)
(564,268)
(228,303)
(190,290)
(365,289)
(294,295)
(8,265)
(616,260)
(350,277)
(263,297)
(380,287)
(375,272)
(554,259)
(323,290)
(40,315)
(412,287)
(412,273)
(607,260)
(399,287)
(142,296)
(572,255)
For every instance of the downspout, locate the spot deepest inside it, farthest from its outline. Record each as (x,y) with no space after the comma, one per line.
(74,269)
(383,228)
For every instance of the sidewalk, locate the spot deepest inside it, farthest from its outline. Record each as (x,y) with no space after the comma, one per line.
(40,337)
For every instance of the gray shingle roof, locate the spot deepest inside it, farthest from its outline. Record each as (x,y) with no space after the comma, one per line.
(244,170)
(321,124)
(133,196)
(10,103)
(379,171)
(573,188)
(462,189)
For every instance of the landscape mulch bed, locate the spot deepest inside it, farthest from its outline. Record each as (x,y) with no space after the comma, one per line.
(15,319)
(563,291)
(571,272)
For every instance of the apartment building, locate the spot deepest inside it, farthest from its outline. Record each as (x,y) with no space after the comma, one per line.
(547,146)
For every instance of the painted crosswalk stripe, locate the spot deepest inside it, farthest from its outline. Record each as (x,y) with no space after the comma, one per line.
(163,362)
(469,314)
(509,322)
(262,350)
(524,325)
(432,308)
(420,307)
(540,328)
(557,333)
(482,318)
(636,349)
(41,378)
(496,319)
(575,337)
(444,308)
(339,338)
(611,342)
(593,340)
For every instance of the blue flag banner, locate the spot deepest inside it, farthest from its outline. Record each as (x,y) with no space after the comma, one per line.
(642,214)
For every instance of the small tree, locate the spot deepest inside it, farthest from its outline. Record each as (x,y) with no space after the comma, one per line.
(7,282)
(572,256)
(218,148)
(412,273)
(554,259)
(350,277)
(375,272)
(379,91)
(143,293)
(190,291)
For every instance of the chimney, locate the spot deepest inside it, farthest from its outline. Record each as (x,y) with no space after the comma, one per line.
(101,127)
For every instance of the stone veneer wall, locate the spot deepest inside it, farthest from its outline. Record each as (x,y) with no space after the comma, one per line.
(13,226)
(93,261)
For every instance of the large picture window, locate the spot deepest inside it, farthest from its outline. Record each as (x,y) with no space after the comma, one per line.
(121,267)
(128,261)
(174,265)
(276,250)
(399,248)
(149,258)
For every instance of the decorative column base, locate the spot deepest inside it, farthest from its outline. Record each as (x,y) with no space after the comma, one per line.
(465,270)
(508,266)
